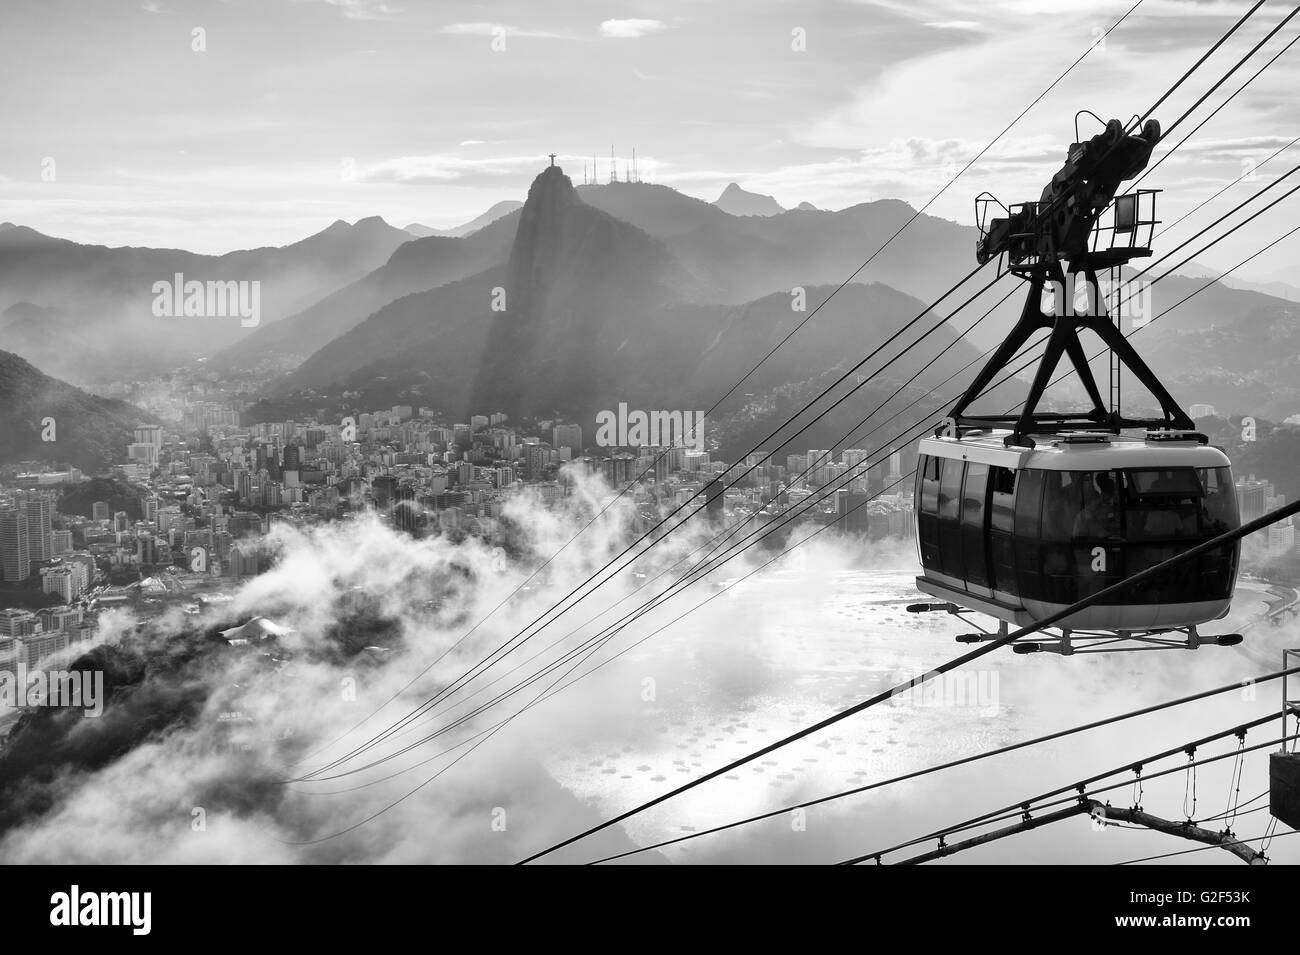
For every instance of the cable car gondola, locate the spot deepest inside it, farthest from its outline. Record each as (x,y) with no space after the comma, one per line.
(1018,516)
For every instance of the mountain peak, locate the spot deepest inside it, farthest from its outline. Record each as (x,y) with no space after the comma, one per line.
(740,202)
(551,185)
(551,200)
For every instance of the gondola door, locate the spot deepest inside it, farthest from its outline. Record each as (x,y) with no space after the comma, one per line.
(974,529)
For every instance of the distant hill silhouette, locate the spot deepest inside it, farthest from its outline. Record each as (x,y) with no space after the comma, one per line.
(494,212)
(738,202)
(108,292)
(90,431)
(416,266)
(597,312)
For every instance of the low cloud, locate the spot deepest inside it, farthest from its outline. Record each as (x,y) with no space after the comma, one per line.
(631,28)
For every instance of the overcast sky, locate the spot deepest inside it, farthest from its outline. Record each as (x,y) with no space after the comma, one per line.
(300,112)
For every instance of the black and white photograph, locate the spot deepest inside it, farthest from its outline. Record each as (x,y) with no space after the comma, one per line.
(768,433)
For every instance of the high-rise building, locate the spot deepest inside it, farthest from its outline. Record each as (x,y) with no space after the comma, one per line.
(1252,498)
(167,518)
(150,434)
(99,511)
(567,436)
(204,469)
(142,453)
(40,518)
(83,566)
(895,468)
(17,623)
(854,456)
(536,458)
(714,499)
(147,549)
(406,510)
(59,580)
(243,562)
(15,547)
(384,489)
(59,618)
(852,512)
(37,647)
(60,543)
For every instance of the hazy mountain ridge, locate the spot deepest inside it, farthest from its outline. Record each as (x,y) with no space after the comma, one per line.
(415,266)
(107,292)
(597,312)
(494,212)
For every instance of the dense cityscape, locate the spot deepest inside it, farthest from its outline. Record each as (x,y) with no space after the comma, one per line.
(181,519)
(183,516)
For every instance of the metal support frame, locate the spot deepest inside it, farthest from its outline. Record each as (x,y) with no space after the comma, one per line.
(1068,642)
(1064,342)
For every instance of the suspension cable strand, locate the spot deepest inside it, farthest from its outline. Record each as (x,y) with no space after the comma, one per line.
(916,215)
(733,765)
(1152,168)
(660,598)
(478,740)
(770,528)
(1051,619)
(1019,810)
(402,722)
(523,635)
(1197,65)
(866,464)
(591,646)
(794,417)
(1045,211)
(1079,789)
(1204,202)
(952,764)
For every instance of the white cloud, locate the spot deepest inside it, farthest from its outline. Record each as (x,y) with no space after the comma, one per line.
(484,28)
(631,28)
(364,9)
(444,168)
